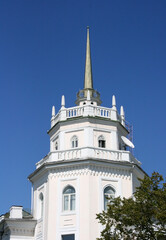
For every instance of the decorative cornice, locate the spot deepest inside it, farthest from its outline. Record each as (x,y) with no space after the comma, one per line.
(79,167)
(91,170)
(19,227)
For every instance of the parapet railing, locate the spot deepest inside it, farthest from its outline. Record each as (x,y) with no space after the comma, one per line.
(74,112)
(89,153)
(87,110)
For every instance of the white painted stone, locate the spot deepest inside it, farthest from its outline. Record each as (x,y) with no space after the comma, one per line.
(122,114)
(16,212)
(113,102)
(63,101)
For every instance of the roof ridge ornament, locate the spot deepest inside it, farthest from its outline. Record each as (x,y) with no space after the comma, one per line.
(63,101)
(53,112)
(113,102)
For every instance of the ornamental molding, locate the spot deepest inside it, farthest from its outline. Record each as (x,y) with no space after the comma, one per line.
(89,169)
(20,227)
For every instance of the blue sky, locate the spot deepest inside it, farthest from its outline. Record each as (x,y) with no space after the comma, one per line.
(42,56)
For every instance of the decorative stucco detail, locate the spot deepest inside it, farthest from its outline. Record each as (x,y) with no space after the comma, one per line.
(76,171)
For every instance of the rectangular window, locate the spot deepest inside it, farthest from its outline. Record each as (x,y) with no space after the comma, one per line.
(102,143)
(105,202)
(72,202)
(76,143)
(68,237)
(66,203)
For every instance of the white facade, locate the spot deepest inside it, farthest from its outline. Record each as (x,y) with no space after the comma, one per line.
(87,161)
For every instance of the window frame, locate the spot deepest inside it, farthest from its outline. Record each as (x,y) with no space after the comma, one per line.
(68,235)
(56,145)
(101,142)
(41,205)
(74,142)
(108,195)
(71,198)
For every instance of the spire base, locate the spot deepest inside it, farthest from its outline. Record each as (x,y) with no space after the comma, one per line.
(94,96)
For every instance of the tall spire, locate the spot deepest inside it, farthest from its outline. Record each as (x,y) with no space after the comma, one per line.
(88,81)
(88,94)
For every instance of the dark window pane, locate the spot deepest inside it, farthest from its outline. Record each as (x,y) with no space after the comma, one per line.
(102,143)
(109,190)
(76,143)
(68,190)
(68,237)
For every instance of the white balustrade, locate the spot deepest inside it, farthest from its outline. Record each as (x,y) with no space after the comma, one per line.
(55,120)
(88,153)
(87,110)
(74,112)
(103,112)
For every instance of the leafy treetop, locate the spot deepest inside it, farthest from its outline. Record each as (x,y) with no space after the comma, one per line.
(142,216)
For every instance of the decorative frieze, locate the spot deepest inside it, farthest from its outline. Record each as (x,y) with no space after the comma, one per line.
(20,227)
(92,170)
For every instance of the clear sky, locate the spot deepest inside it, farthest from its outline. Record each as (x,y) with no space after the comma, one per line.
(42,56)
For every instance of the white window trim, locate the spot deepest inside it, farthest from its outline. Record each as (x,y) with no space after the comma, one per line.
(41,189)
(118,190)
(70,230)
(108,194)
(101,138)
(74,139)
(69,200)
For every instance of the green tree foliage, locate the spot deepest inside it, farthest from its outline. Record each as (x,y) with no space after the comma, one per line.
(141,217)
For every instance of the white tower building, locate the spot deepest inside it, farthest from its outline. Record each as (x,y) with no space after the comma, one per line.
(88,161)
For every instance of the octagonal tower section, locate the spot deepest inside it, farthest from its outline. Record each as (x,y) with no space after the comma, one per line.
(88,161)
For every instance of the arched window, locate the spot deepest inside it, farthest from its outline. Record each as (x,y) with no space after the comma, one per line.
(74,142)
(108,193)
(41,206)
(69,199)
(101,141)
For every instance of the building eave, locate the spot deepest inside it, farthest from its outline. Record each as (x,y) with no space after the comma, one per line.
(84,118)
(68,163)
(12,225)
